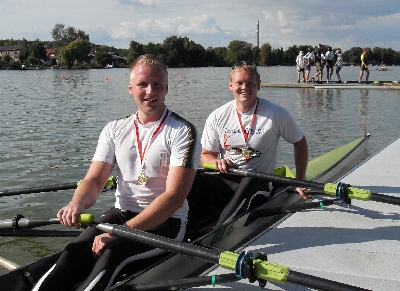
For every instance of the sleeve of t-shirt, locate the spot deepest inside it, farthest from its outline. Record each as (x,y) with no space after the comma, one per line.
(105,150)
(210,138)
(185,148)
(286,126)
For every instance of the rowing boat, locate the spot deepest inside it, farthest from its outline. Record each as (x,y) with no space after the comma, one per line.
(230,236)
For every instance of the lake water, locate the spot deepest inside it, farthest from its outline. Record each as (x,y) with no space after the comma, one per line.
(51,119)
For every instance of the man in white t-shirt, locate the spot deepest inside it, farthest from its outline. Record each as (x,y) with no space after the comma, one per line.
(339,64)
(244,133)
(300,66)
(156,153)
(329,55)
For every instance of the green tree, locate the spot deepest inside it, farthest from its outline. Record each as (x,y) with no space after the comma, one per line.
(76,51)
(63,36)
(352,56)
(103,58)
(216,56)
(38,52)
(152,48)
(23,51)
(266,54)
(173,51)
(239,51)
(135,49)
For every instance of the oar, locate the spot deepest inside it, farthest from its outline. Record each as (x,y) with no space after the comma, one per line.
(111,182)
(288,209)
(21,226)
(7,264)
(20,222)
(179,283)
(244,265)
(342,191)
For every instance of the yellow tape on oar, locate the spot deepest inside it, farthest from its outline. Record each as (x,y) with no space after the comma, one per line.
(352,192)
(263,269)
(111,182)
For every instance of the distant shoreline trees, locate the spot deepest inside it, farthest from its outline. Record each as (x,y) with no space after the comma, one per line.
(76,51)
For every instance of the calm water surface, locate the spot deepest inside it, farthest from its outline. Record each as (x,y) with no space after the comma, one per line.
(51,119)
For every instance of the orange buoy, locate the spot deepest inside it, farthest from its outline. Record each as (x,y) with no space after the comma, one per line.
(180,76)
(106,78)
(62,76)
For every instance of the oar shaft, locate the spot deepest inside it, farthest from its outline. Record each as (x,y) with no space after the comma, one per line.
(50,188)
(183,283)
(27,223)
(319,283)
(385,198)
(278,179)
(292,208)
(7,264)
(161,242)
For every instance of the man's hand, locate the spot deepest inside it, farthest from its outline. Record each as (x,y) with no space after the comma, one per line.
(303,193)
(68,215)
(100,243)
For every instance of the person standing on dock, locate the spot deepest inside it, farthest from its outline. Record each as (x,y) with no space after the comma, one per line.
(364,66)
(339,64)
(300,66)
(329,55)
(308,62)
(318,65)
(244,133)
(156,153)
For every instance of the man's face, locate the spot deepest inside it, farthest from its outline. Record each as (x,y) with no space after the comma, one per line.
(148,87)
(244,86)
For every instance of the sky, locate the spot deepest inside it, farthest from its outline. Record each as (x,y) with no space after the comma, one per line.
(210,23)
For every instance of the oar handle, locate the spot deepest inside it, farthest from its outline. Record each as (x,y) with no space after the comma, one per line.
(20,222)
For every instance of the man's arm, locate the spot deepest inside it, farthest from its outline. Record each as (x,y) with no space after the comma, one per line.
(221,165)
(301,161)
(86,193)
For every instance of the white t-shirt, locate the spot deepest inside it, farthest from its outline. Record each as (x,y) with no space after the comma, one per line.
(339,60)
(329,55)
(175,144)
(222,133)
(300,62)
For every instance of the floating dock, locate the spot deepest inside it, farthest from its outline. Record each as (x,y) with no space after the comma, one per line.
(336,85)
(357,245)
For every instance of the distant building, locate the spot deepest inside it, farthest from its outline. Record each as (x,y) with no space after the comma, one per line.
(10,50)
(51,54)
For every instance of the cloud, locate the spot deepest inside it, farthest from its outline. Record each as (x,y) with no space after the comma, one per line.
(162,28)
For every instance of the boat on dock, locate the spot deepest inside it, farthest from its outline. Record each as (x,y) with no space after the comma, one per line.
(230,236)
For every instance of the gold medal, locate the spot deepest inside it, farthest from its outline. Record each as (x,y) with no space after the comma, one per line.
(142,179)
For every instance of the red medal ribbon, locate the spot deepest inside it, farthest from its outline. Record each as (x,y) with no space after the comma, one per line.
(246,134)
(141,154)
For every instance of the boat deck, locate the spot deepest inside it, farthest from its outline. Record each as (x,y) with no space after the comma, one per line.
(359,245)
(335,85)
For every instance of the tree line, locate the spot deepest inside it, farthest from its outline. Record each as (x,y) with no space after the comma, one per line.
(75,50)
